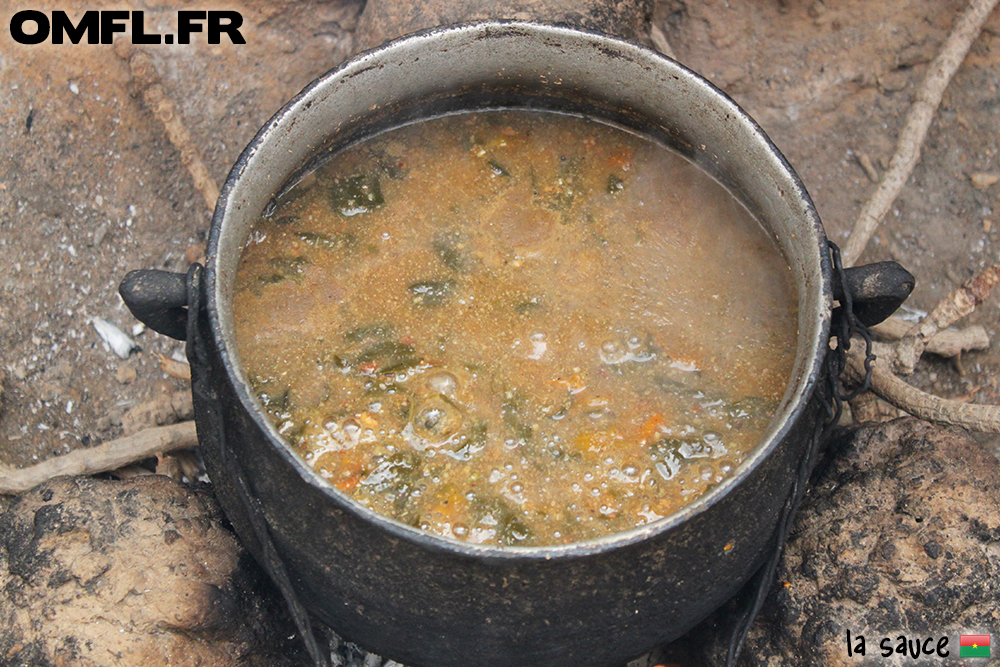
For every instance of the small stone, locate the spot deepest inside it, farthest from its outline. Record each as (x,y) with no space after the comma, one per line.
(915,54)
(48,391)
(99,235)
(116,339)
(987,225)
(982,180)
(126,374)
(58,371)
(868,167)
(165,407)
(893,81)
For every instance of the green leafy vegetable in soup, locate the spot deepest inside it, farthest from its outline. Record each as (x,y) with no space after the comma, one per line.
(516,327)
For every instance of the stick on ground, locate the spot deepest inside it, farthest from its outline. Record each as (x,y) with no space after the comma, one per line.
(155,96)
(920,404)
(102,458)
(918,120)
(945,343)
(960,302)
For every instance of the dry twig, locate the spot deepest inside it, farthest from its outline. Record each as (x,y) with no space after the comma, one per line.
(176,369)
(911,138)
(959,303)
(147,82)
(903,354)
(102,458)
(983,418)
(946,343)
(868,407)
(868,167)
(164,408)
(929,335)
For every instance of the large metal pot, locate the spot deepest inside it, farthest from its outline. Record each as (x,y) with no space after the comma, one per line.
(429,601)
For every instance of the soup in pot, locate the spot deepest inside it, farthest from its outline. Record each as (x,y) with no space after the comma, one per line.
(515,327)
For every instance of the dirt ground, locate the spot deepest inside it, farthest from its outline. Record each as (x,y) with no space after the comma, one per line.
(90,186)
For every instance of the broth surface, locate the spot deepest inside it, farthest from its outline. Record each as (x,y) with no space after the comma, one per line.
(515,327)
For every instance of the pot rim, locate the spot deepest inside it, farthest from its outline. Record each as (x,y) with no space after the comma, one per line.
(792,406)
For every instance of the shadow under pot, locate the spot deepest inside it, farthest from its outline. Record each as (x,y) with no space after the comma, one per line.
(431,601)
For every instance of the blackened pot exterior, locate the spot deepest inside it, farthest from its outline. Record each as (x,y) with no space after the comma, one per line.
(432,602)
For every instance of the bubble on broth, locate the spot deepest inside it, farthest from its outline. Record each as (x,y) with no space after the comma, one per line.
(516,327)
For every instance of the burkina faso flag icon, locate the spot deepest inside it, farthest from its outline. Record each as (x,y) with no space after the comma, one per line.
(974,646)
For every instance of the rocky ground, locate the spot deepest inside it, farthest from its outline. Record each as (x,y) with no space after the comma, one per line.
(139,571)
(894,539)
(90,186)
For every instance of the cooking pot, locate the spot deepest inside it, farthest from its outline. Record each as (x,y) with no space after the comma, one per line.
(430,601)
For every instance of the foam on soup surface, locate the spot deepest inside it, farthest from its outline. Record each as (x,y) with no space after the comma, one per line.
(515,327)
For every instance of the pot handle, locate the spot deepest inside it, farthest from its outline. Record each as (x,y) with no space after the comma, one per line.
(158,299)
(876,290)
